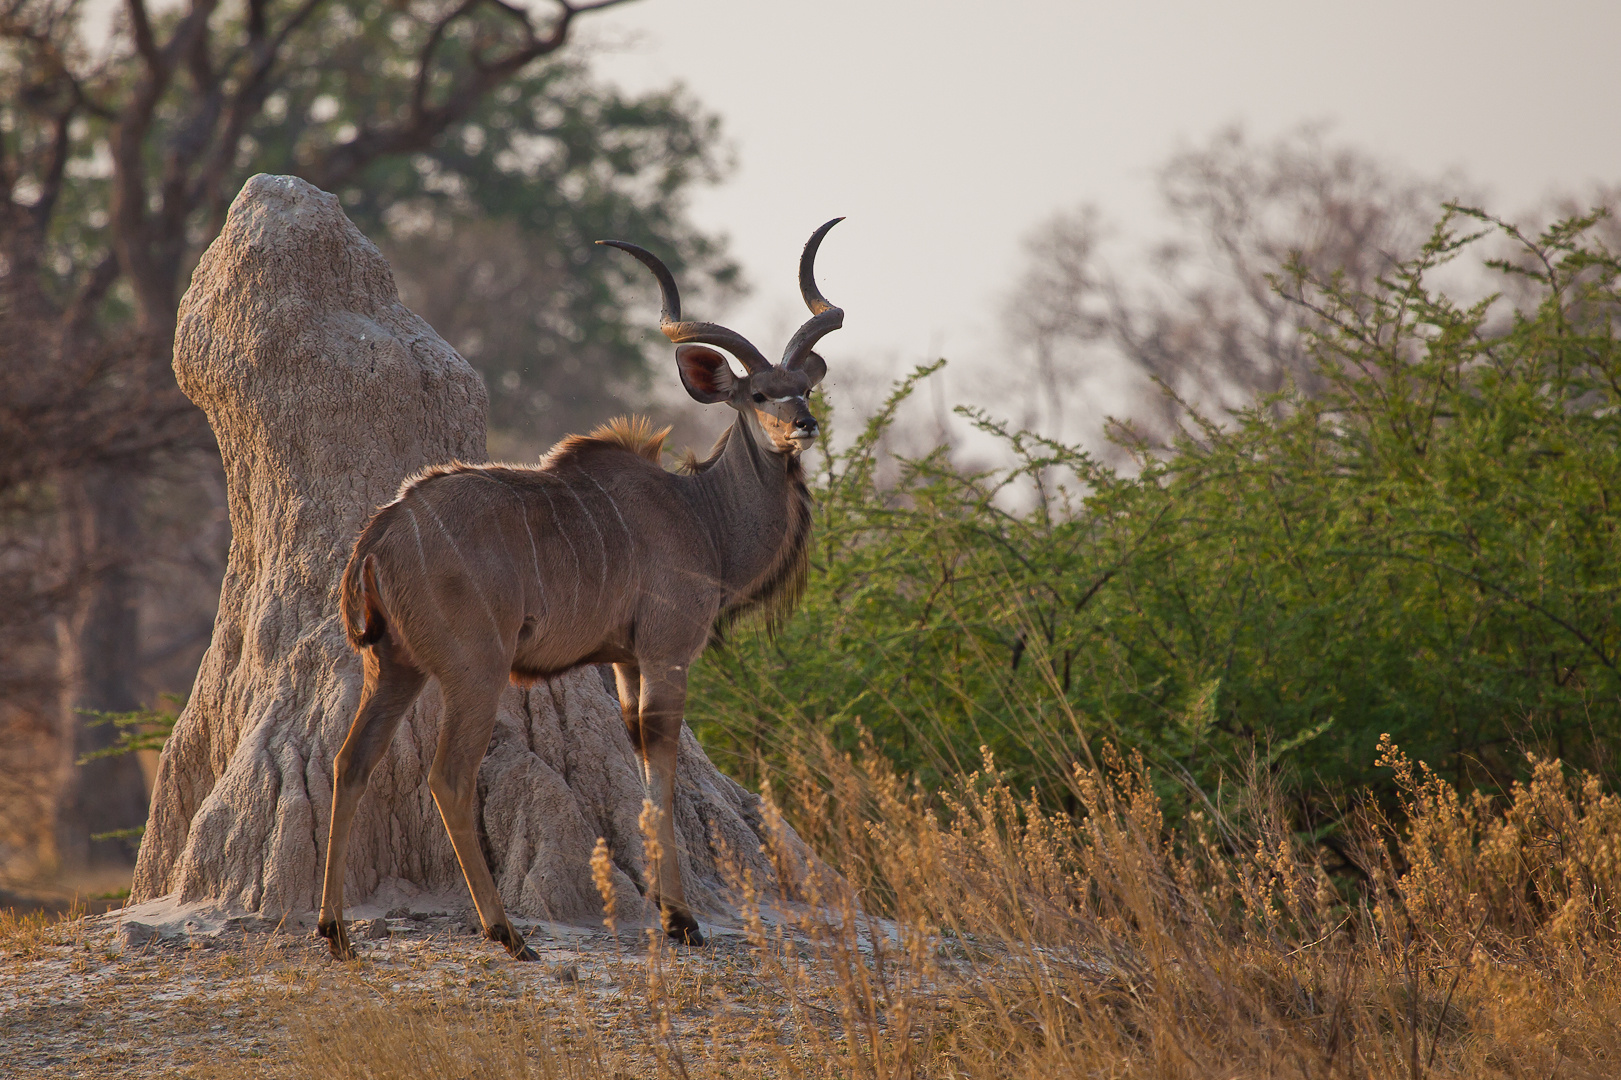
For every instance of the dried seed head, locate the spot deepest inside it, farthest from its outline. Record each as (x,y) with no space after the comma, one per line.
(602,875)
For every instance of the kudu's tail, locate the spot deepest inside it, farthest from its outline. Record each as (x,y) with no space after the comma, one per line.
(363,618)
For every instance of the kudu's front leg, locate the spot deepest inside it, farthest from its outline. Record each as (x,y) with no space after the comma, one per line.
(663,702)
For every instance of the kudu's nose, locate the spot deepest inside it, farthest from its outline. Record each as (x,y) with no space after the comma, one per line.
(806,426)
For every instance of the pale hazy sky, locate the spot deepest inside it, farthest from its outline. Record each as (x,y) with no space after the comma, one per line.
(947,130)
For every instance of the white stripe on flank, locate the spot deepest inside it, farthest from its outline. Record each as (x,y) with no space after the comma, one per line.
(477,588)
(557,524)
(602,582)
(482,472)
(617,514)
(422,556)
(534,552)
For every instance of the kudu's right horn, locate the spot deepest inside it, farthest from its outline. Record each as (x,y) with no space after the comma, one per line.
(679,332)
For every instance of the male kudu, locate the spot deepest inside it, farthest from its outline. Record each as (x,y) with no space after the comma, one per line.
(480,573)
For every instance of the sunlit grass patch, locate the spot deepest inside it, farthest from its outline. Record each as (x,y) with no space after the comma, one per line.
(968,932)
(985,935)
(22,933)
(352,1034)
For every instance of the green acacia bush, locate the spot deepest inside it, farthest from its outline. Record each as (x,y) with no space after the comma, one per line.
(1427,549)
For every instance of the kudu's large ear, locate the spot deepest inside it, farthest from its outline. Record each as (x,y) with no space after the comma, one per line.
(705,373)
(814,368)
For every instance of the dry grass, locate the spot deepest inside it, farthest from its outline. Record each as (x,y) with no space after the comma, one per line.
(1482,942)
(975,938)
(24,934)
(1017,943)
(367,1038)
(633,1006)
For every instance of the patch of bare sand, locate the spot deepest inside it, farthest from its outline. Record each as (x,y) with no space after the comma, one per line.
(165,990)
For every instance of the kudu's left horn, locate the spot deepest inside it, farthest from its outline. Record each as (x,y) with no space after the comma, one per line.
(825,318)
(678,331)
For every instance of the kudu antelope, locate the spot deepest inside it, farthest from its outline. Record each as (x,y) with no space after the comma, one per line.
(480,573)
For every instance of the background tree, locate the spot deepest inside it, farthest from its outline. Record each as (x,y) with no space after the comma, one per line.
(117,164)
(1205,321)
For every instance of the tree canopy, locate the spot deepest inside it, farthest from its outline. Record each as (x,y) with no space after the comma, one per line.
(118,162)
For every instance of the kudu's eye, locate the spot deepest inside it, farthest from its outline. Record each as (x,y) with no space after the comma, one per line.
(759,397)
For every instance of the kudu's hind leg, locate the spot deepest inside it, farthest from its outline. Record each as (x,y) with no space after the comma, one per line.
(663,701)
(628,679)
(390,688)
(469,720)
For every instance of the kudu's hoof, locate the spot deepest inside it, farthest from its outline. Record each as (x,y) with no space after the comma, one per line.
(337,939)
(514,944)
(683,929)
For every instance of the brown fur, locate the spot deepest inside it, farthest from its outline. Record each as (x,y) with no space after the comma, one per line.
(595,555)
(363,620)
(633,433)
(778,591)
(691,464)
(362,617)
(480,574)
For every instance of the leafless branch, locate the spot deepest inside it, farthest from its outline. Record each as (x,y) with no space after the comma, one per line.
(141,29)
(91,292)
(427,121)
(55,168)
(248,98)
(419,92)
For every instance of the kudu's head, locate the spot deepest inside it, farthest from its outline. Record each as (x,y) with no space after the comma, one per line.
(775,396)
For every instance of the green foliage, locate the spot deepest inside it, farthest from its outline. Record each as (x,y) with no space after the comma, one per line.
(530,177)
(138,729)
(410,115)
(1427,548)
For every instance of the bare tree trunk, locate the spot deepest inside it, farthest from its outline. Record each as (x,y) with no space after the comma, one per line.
(100,659)
(29,763)
(324,392)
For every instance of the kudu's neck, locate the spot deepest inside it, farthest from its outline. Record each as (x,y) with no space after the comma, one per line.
(757,509)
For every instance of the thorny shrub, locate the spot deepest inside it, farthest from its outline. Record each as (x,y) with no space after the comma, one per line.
(1429,546)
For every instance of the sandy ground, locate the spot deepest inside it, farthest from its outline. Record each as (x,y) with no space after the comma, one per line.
(160,990)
